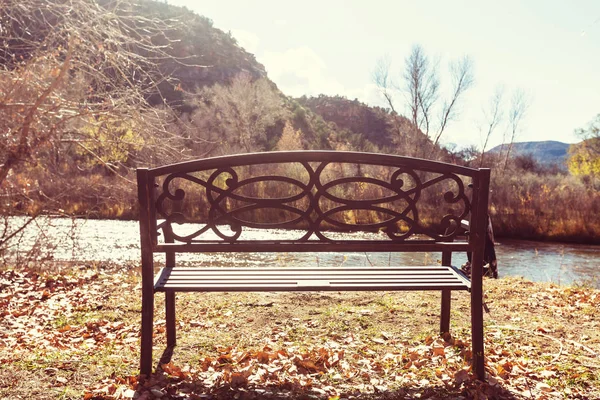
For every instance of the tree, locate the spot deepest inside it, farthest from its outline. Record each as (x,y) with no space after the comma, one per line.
(381,77)
(234,118)
(492,118)
(462,80)
(107,143)
(518,109)
(74,73)
(65,65)
(290,139)
(421,88)
(584,157)
(591,134)
(421,83)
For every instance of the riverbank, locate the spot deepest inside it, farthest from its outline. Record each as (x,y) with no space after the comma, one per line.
(75,334)
(523,205)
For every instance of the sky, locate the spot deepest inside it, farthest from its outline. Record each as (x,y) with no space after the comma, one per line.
(550,49)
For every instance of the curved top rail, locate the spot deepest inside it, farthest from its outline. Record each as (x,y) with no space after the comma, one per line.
(309,156)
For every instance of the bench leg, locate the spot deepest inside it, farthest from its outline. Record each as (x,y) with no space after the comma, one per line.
(477,316)
(445,314)
(446,299)
(170,318)
(146,333)
(477,331)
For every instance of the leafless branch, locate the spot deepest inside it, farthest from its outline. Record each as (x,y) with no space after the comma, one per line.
(463,79)
(421,88)
(518,109)
(493,116)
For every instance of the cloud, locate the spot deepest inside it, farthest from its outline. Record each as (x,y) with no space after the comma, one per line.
(300,71)
(368,94)
(248,40)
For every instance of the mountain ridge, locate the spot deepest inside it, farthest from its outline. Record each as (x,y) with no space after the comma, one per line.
(545,152)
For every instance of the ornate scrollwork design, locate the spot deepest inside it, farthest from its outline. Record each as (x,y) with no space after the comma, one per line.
(315,203)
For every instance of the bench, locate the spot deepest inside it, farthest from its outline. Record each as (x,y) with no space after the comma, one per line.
(315,202)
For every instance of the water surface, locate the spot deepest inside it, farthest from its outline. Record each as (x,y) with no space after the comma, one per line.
(118,241)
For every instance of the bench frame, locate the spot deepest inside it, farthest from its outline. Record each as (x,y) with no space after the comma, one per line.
(445,278)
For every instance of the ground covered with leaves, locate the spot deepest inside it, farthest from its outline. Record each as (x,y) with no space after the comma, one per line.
(74,334)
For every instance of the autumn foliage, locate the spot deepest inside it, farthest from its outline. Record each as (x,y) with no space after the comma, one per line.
(75,335)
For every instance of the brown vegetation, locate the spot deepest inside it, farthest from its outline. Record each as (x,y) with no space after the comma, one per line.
(530,202)
(75,334)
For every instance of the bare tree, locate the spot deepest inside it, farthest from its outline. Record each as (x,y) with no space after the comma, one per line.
(462,80)
(70,72)
(421,88)
(234,118)
(518,109)
(492,117)
(65,64)
(381,77)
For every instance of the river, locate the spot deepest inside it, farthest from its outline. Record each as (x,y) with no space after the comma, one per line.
(118,241)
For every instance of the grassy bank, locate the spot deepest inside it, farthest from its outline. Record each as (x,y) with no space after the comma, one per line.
(75,334)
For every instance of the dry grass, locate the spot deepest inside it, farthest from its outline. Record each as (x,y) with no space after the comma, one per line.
(544,206)
(524,204)
(75,335)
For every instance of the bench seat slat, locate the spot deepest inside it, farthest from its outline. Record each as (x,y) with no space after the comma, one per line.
(355,246)
(299,288)
(260,278)
(308,270)
(310,279)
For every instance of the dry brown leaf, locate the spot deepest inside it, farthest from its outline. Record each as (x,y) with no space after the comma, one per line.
(439,351)
(308,365)
(461,376)
(238,379)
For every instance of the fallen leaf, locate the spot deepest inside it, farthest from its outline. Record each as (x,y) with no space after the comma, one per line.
(461,376)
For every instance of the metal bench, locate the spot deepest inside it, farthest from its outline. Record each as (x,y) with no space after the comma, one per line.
(324,201)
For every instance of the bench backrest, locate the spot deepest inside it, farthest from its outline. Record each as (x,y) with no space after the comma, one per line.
(382,202)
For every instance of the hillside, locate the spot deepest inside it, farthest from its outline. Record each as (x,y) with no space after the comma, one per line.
(187,48)
(203,55)
(154,55)
(374,125)
(548,152)
(154,84)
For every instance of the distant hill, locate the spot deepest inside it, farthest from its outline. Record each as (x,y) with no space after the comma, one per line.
(548,152)
(370,128)
(374,123)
